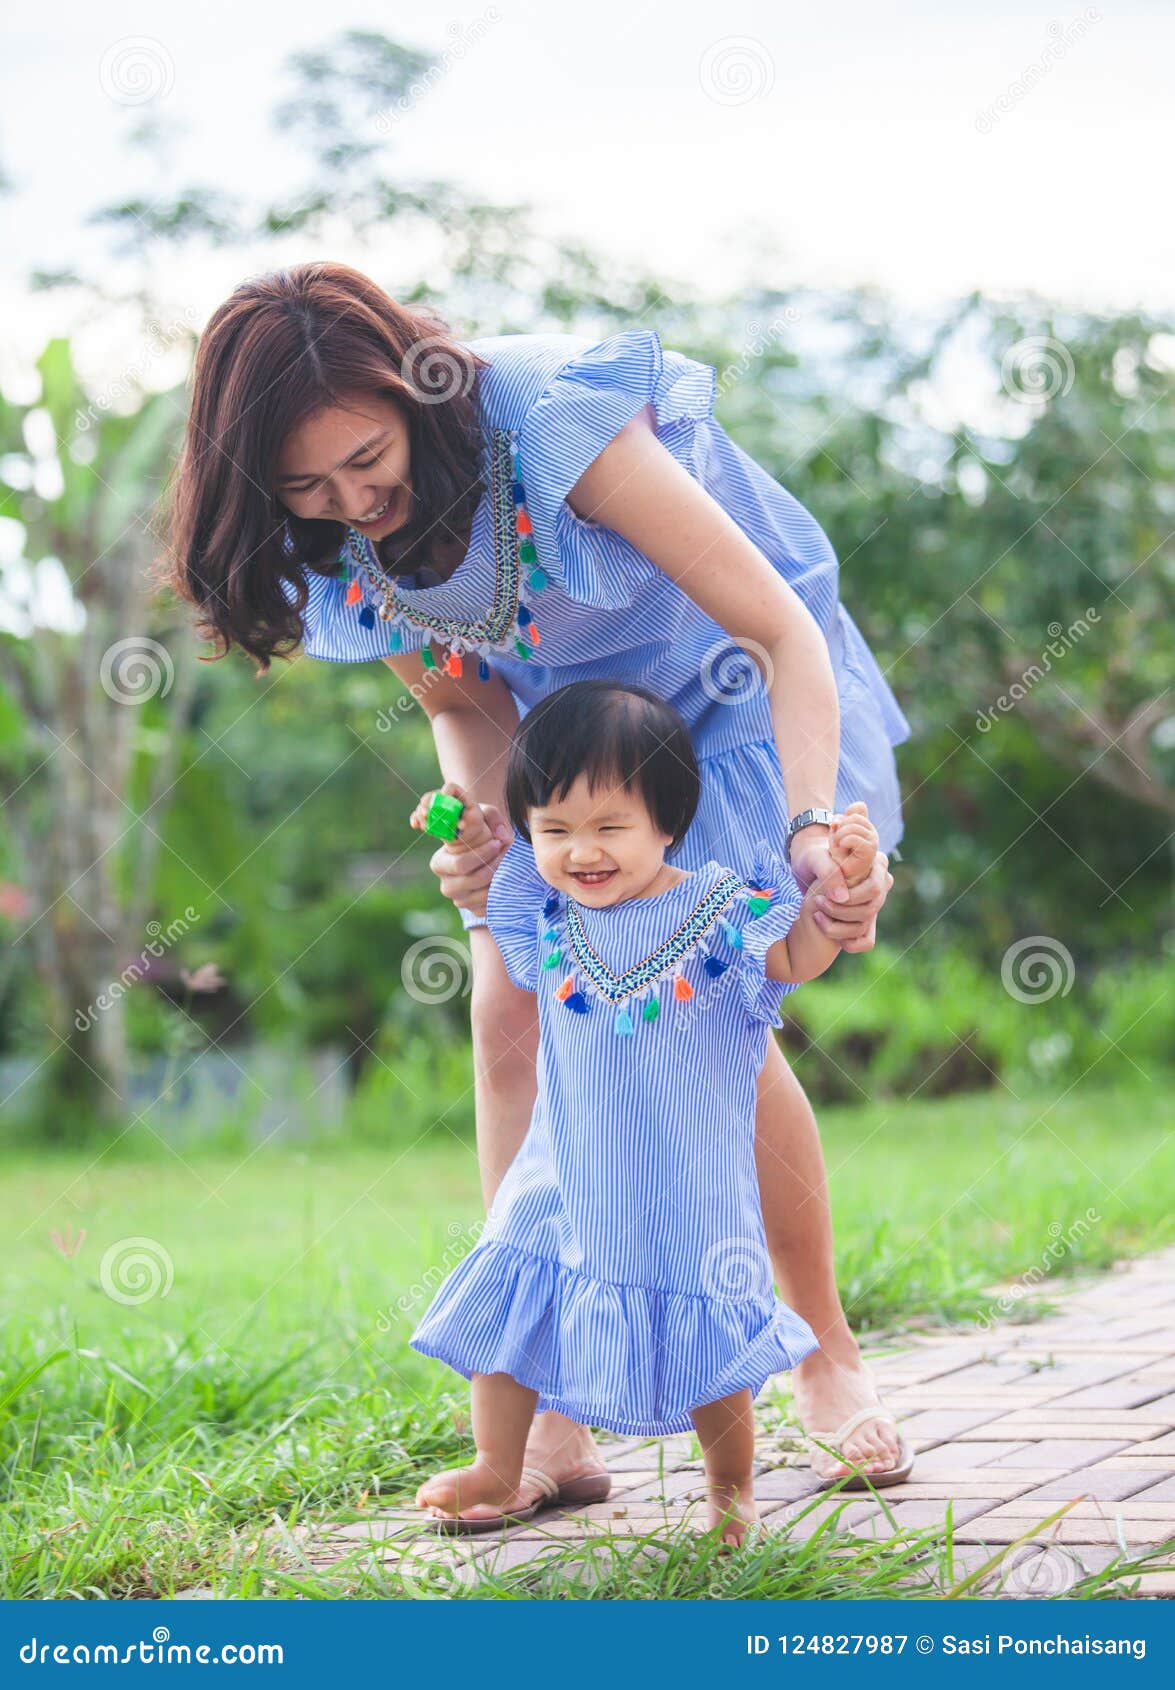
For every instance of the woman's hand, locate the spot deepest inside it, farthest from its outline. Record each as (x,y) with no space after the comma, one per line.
(845,914)
(465,865)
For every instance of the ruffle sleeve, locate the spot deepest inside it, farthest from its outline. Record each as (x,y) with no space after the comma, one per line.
(514,912)
(582,408)
(762,996)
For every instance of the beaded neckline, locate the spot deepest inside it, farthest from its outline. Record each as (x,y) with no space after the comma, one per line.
(660,961)
(507,626)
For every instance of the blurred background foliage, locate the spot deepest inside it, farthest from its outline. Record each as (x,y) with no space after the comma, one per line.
(992,478)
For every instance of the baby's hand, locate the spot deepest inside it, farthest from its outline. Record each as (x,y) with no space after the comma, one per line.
(473,831)
(853,843)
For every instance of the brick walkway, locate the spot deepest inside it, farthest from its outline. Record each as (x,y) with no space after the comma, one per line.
(1009,1425)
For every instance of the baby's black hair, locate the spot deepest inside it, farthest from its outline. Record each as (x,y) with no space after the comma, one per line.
(614,735)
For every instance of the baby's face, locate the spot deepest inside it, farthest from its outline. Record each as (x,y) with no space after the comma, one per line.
(599,846)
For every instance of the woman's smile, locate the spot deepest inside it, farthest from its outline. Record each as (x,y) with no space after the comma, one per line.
(380,514)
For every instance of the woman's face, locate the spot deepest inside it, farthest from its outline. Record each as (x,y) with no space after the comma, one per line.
(349,463)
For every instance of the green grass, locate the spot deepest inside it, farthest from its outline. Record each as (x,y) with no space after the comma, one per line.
(147,1445)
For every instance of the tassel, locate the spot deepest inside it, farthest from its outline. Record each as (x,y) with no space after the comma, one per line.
(533,630)
(427,658)
(551,904)
(519,495)
(395,640)
(522,650)
(527,553)
(523,615)
(537,579)
(682,988)
(525,525)
(550,936)
(652,1009)
(367,617)
(553,961)
(758,903)
(577,1002)
(564,991)
(483,669)
(623,1022)
(733,935)
(354,592)
(454,666)
(714,968)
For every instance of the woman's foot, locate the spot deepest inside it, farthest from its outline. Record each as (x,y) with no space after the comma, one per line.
(832,1384)
(730,1511)
(470,1493)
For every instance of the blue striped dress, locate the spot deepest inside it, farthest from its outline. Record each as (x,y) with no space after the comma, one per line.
(623,1272)
(568,599)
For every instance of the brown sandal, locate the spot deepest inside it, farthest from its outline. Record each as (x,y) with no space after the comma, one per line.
(572,1493)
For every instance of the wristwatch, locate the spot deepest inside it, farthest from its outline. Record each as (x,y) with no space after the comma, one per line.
(805,819)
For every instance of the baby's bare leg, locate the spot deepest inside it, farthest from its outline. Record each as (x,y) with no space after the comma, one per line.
(502,1411)
(726,1432)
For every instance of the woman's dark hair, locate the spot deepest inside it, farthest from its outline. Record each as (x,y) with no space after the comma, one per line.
(280,349)
(614,735)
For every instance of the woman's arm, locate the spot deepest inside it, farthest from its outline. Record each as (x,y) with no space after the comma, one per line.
(637,488)
(472,722)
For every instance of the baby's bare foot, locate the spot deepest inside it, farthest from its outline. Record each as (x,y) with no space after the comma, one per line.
(472,1493)
(730,1510)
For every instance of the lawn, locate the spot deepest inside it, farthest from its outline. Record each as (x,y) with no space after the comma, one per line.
(226,1342)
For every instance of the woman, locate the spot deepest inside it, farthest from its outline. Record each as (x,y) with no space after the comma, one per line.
(494,520)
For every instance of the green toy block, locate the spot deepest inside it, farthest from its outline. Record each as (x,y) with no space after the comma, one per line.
(444,813)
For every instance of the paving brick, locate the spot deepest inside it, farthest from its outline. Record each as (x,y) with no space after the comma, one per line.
(1064,1454)
(1163,1491)
(785,1484)
(939,1424)
(987,1529)
(1157,1584)
(979,1484)
(1107,1484)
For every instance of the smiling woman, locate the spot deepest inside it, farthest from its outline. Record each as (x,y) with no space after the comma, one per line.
(373,425)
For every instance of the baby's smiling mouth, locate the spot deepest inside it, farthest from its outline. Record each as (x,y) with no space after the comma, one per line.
(592,877)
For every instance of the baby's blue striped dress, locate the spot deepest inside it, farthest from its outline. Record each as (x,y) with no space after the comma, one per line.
(605,610)
(623,1271)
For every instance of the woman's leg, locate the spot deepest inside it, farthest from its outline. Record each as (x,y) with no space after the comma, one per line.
(502,1411)
(833,1382)
(505,1047)
(726,1432)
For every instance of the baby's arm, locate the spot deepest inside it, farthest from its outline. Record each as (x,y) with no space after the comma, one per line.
(807,952)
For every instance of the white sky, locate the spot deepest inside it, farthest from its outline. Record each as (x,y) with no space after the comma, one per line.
(860,162)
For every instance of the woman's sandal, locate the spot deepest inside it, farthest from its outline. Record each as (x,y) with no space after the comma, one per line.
(896,1475)
(572,1493)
